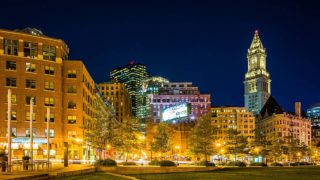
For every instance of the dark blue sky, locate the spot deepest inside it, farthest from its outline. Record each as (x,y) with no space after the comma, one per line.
(204,42)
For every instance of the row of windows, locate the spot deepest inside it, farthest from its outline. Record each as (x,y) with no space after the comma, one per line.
(112,93)
(233,121)
(14,116)
(71,119)
(232,126)
(31,84)
(180,85)
(31,67)
(107,87)
(48,101)
(167,100)
(27,132)
(30,50)
(71,104)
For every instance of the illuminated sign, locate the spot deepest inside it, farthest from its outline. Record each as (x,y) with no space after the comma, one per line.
(27,140)
(175,112)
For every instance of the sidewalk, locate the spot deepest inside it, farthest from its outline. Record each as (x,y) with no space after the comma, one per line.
(57,170)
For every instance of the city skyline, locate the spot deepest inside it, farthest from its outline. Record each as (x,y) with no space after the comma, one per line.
(171,39)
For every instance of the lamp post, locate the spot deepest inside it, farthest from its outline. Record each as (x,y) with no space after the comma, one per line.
(218,145)
(9,130)
(298,154)
(31,130)
(177,150)
(48,136)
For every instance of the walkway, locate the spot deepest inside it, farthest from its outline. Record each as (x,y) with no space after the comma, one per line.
(57,170)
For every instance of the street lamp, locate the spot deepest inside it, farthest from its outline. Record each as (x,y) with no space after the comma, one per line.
(298,154)
(177,149)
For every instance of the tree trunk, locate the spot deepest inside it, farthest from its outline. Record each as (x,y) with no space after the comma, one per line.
(151,156)
(235,156)
(127,157)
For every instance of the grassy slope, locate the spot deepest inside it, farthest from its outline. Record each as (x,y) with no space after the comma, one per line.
(243,173)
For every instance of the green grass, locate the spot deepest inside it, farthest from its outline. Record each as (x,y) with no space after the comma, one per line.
(260,173)
(94,176)
(274,173)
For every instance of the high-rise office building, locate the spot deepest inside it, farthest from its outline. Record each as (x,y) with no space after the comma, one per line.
(313,113)
(132,75)
(257,80)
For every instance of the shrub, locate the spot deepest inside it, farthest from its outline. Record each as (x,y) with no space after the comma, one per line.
(167,163)
(258,164)
(276,164)
(207,163)
(3,156)
(221,163)
(236,163)
(306,164)
(293,164)
(129,163)
(106,162)
(154,163)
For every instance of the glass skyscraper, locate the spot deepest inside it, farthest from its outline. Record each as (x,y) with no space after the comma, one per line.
(132,75)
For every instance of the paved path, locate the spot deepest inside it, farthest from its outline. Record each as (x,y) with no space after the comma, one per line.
(54,171)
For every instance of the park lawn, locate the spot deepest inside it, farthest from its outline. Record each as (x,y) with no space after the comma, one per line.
(93,176)
(275,173)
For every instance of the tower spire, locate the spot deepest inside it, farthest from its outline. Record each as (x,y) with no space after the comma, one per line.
(257,79)
(256,43)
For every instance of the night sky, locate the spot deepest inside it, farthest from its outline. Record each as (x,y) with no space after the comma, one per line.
(204,42)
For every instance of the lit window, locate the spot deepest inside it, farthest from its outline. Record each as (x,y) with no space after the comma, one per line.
(30,50)
(28,116)
(51,131)
(72,119)
(48,85)
(13,99)
(49,52)
(34,132)
(30,67)
(51,118)
(72,134)
(48,101)
(49,70)
(11,47)
(13,115)
(13,132)
(72,74)
(11,65)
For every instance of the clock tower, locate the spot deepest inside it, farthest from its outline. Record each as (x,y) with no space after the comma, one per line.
(257,79)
